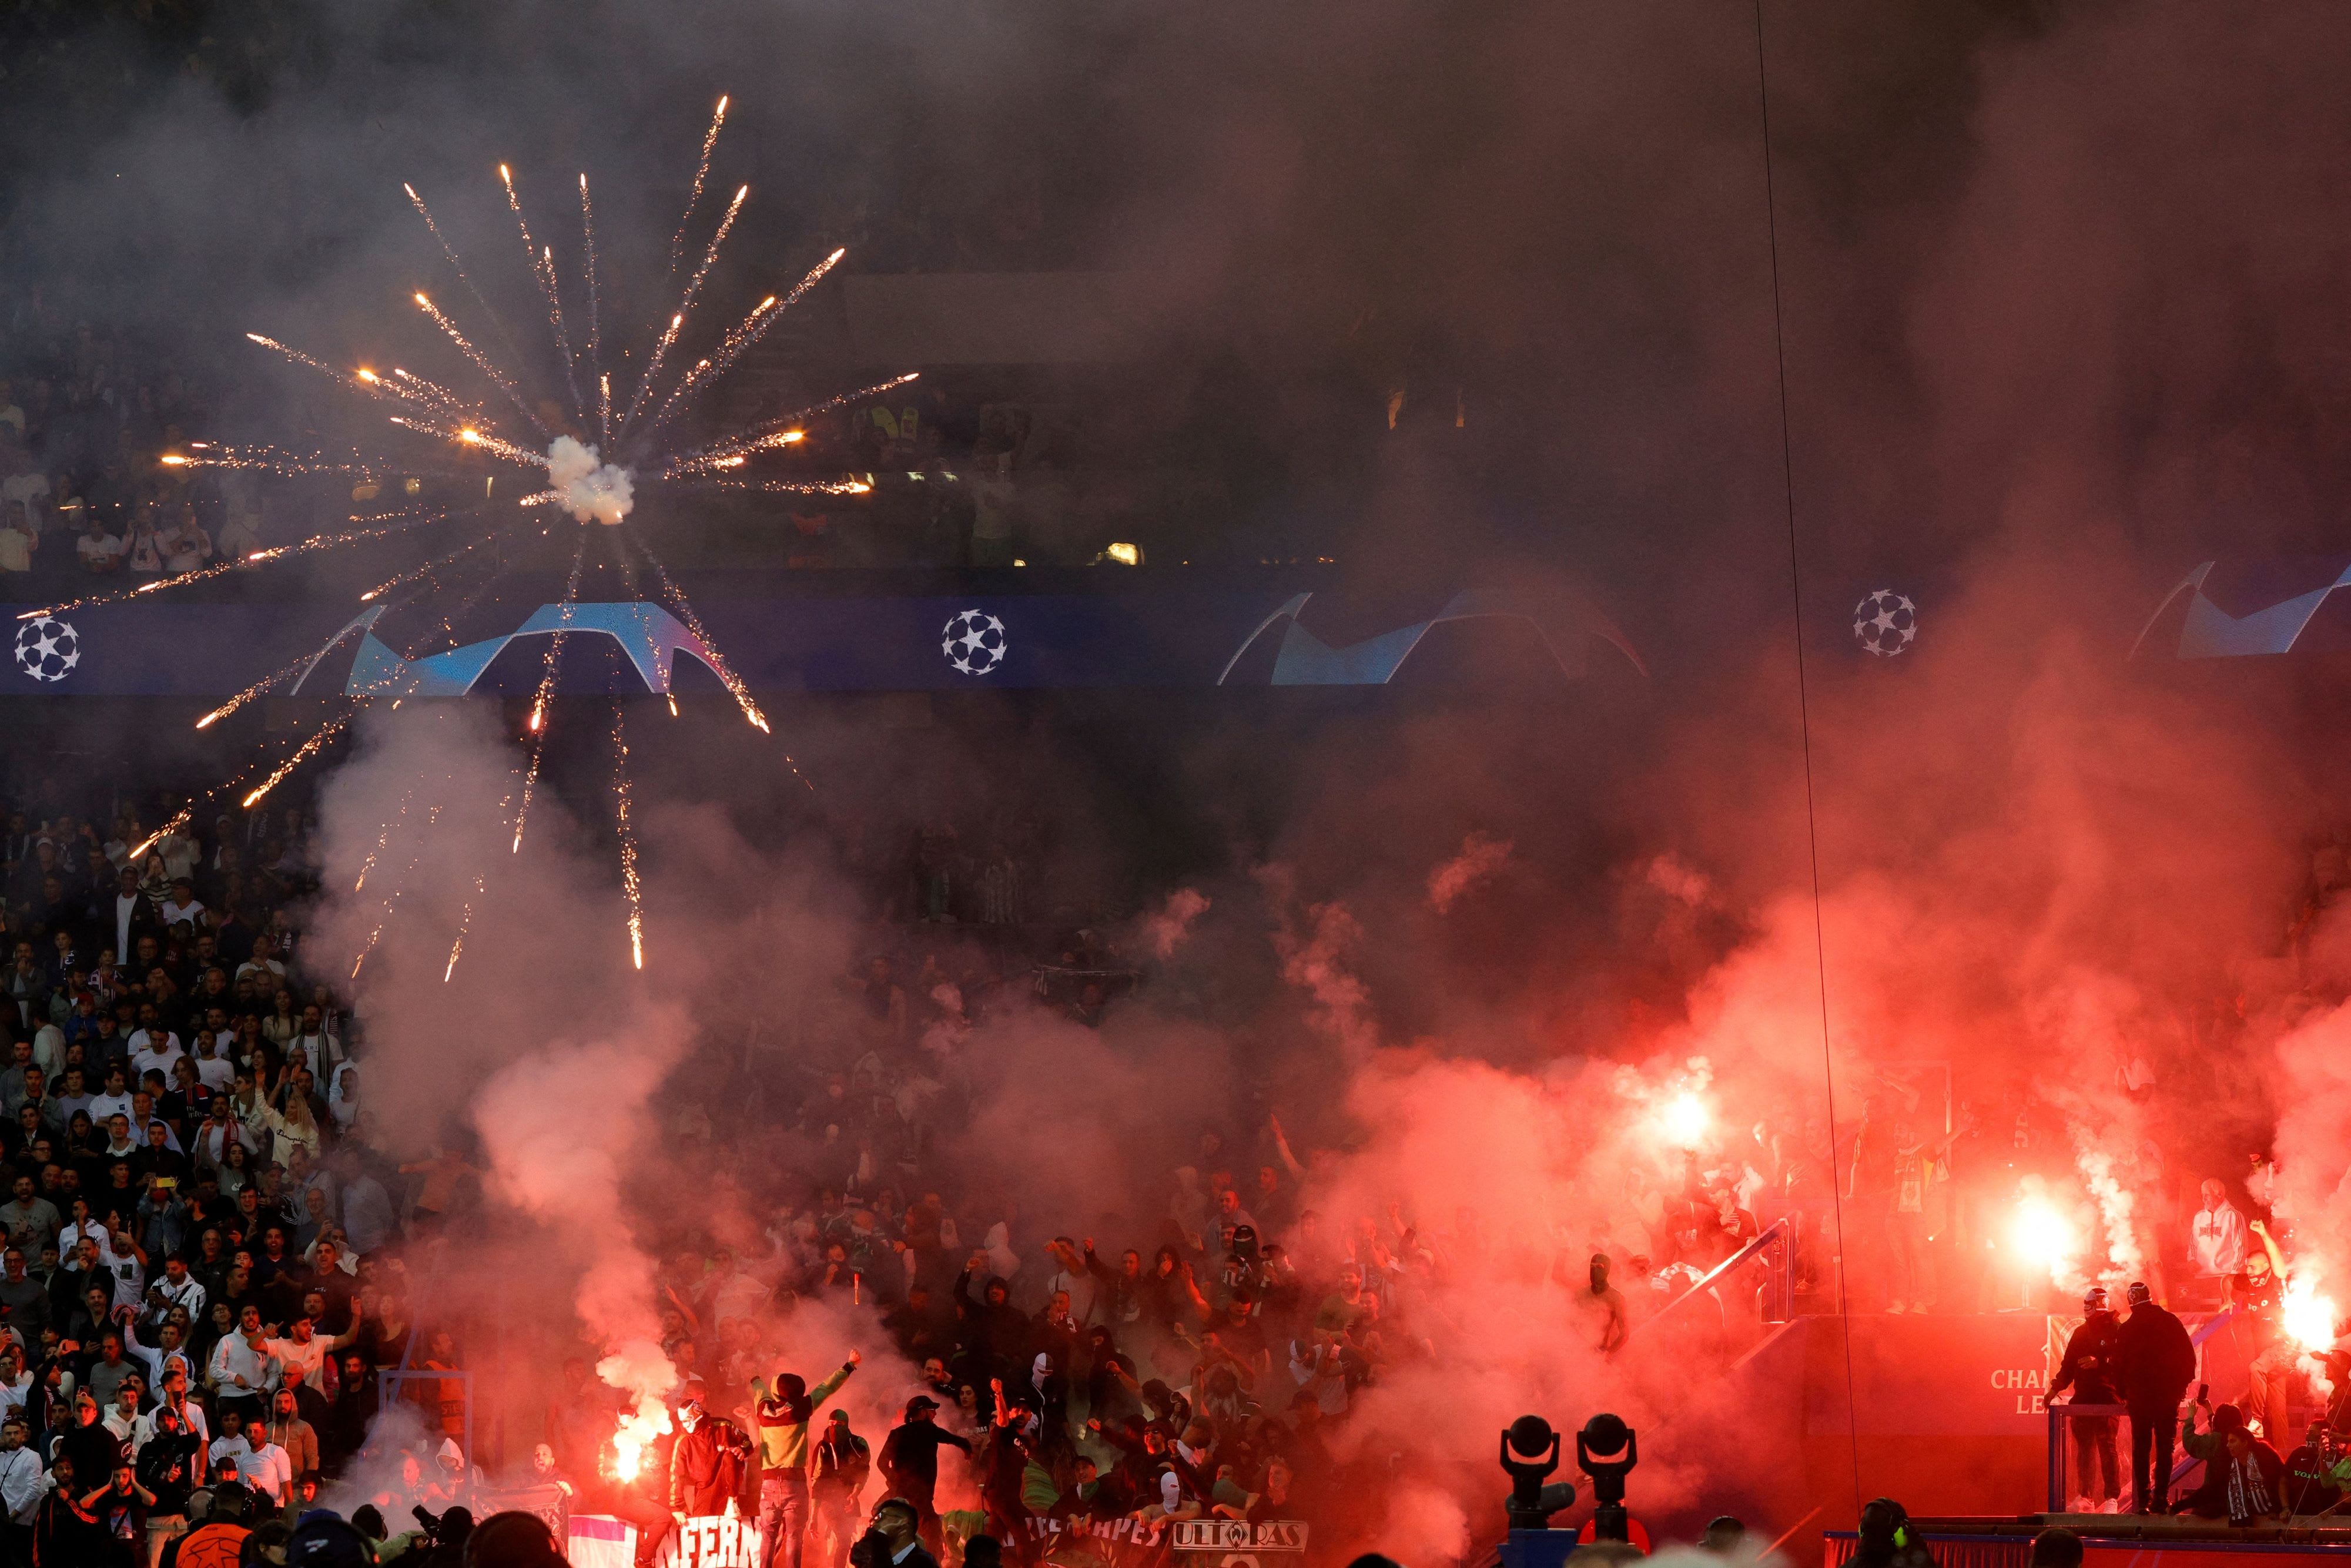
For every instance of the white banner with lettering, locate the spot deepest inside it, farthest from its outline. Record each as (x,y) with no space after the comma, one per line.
(721,1540)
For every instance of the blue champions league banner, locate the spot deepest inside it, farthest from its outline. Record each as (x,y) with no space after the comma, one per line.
(1175,636)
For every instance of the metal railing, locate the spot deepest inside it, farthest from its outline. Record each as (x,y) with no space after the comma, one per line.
(2061,1430)
(1779,1240)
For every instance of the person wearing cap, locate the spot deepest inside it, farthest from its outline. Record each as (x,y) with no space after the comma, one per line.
(322,1539)
(2154,1361)
(781,1420)
(2087,1368)
(910,1464)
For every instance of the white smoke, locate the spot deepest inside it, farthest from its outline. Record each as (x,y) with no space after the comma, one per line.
(558,1125)
(585,486)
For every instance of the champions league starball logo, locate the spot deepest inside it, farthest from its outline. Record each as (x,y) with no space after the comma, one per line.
(1884,623)
(973,641)
(47,648)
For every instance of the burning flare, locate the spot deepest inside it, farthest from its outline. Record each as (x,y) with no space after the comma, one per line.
(2041,1234)
(2310,1318)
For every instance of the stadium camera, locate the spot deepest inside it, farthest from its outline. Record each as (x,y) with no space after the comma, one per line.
(1603,1437)
(1536,1447)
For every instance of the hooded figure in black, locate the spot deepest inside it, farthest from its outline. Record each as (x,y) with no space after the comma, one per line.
(2155,1361)
(995,1333)
(2088,1369)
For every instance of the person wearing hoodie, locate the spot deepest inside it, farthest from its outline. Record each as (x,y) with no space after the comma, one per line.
(995,1333)
(710,1462)
(780,1422)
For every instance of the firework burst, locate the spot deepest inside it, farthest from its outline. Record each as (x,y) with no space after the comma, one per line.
(600,483)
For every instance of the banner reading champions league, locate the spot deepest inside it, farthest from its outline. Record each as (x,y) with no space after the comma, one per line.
(1173,636)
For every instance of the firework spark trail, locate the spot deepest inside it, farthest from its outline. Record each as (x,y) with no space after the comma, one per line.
(385,838)
(768,434)
(631,888)
(468,435)
(466,916)
(701,177)
(178,819)
(457,266)
(406,389)
(258,558)
(267,458)
(482,362)
(542,268)
(652,365)
(685,308)
(788,486)
(431,818)
(737,342)
(412,573)
(250,693)
(365,384)
(433,395)
(546,690)
(465,923)
(595,323)
(303,753)
(414,650)
(733,682)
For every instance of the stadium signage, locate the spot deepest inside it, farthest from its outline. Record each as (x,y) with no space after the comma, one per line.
(1239,1535)
(713,1541)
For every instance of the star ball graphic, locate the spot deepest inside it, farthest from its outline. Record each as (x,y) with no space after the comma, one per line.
(1884,622)
(47,648)
(973,641)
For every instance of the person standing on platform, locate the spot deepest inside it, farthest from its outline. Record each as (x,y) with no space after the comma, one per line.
(780,1422)
(2087,1369)
(2155,1361)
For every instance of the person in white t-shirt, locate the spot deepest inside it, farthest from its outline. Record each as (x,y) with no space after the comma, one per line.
(307,1349)
(260,1463)
(268,1469)
(18,537)
(217,1071)
(265,959)
(183,902)
(115,1101)
(99,551)
(155,1050)
(186,546)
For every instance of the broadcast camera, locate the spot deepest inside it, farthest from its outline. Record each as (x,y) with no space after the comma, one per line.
(1536,1446)
(448,1529)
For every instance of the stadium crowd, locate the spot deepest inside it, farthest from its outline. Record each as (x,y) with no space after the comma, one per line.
(207,1276)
